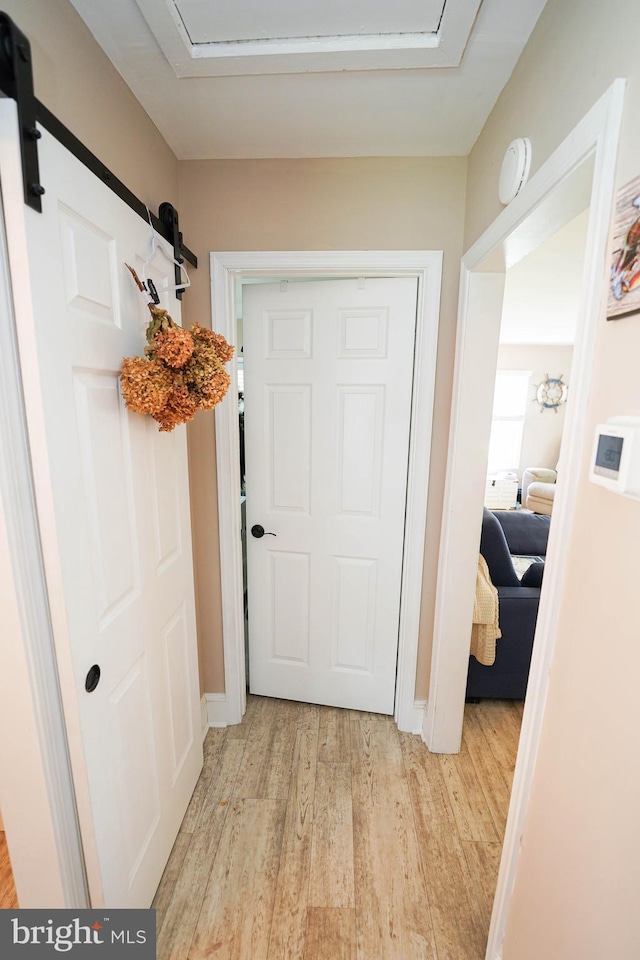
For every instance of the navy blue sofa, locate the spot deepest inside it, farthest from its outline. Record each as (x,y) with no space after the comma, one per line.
(518,604)
(526,533)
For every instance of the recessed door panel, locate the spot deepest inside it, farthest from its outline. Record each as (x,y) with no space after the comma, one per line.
(290,468)
(360,438)
(166,494)
(288,334)
(108,487)
(134,747)
(354,600)
(363,333)
(89,268)
(289,592)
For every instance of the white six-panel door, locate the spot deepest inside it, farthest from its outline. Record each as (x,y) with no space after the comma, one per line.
(328,374)
(114,503)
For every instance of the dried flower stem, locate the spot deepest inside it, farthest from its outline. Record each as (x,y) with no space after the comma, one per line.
(180,372)
(140,286)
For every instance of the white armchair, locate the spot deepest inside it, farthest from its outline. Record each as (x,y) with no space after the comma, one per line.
(538,489)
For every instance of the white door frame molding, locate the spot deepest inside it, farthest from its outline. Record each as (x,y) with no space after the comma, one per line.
(226,268)
(594,138)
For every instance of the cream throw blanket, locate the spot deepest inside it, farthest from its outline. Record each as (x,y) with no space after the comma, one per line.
(485,630)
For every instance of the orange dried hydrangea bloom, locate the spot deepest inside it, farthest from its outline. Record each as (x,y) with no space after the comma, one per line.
(224,351)
(146,384)
(205,375)
(174,346)
(215,390)
(180,407)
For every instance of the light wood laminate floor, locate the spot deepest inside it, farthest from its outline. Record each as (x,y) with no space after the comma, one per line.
(323,834)
(8,898)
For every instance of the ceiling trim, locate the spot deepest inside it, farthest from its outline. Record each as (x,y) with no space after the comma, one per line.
(443,48)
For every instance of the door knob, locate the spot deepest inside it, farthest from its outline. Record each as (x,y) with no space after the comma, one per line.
(257,531)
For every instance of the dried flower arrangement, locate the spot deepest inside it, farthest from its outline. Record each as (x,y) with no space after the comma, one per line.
(182,370)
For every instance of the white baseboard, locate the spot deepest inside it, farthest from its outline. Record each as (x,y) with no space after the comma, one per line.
(216,709)
(423,728)
(214,713)
(419,708)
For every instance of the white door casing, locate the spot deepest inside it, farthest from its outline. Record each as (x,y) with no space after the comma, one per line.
(328,369)
(112,495)
(426,266)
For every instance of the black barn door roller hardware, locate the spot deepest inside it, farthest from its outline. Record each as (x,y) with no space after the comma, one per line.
(16,82)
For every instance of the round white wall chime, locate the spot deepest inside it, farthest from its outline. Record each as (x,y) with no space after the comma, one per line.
(515,169)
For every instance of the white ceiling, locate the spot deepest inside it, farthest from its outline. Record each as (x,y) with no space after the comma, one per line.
(294,78)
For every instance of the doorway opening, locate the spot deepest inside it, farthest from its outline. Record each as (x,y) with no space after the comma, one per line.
(540,316)
(425,266)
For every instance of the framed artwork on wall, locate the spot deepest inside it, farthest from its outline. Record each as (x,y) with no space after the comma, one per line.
(624,282)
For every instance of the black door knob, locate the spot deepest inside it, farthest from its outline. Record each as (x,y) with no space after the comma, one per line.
(257,531)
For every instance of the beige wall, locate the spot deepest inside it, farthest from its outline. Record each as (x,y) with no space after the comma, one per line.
(542,428)
(578,877)
(318,205)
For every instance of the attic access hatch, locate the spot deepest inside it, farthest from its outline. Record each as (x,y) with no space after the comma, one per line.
(202,39)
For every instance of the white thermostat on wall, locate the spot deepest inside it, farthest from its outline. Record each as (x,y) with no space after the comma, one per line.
(615,461)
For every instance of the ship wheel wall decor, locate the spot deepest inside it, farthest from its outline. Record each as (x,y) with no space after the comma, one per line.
(551,393)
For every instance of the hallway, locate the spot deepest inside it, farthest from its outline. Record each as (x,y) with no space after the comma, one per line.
(323,834)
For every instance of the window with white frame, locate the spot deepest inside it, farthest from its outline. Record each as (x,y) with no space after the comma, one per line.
(507,424)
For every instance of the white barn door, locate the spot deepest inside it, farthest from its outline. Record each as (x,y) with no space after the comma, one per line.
(114,511)
(328,378)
